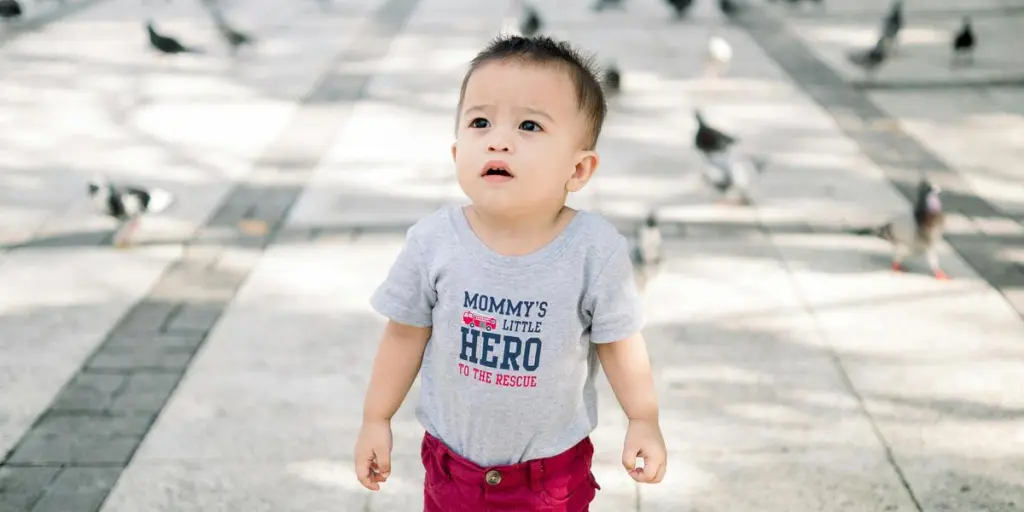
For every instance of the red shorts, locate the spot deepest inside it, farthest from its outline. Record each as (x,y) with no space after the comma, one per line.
(562,483)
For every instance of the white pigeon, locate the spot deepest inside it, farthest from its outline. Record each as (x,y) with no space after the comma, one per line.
(126,204)
(719,55)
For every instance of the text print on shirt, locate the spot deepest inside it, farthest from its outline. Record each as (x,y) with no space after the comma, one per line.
(482,346)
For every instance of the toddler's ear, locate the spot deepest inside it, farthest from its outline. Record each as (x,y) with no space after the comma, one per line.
(586,165)
(455,150)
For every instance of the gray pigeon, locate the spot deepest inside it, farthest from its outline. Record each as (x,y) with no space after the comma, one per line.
(612,79)
(918,233)
(730,170)
(531,23)
(963,43)
(893,24)
(648,241)
(647,252)
(871,60)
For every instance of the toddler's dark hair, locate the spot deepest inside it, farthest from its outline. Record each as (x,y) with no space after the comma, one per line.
(543,50)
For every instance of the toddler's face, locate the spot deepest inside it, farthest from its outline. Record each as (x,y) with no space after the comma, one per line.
(520,138)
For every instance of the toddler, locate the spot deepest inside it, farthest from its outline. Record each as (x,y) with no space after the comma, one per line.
(505,307)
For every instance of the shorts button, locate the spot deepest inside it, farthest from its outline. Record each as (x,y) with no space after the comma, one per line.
(493,477)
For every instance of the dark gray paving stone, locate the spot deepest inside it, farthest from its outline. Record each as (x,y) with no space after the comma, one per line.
(21,487)
(194,318)
(138,358)
(90,392)
(145,392)
(75,439)
(80,489)
(145,318)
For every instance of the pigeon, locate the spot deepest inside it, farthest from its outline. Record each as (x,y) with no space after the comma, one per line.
(646,254)
(165,44)
(612,79)
(915,234)
(710,140)
(728,7)
(963,43)
(893,23)
(680,7)
(719,55)
(232,37)
(9,10)
(730,171)
(600,5)
(870,60)
(531,23)
(126,204)
(648,241)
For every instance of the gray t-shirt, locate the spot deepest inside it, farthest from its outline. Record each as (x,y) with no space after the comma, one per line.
(508,372)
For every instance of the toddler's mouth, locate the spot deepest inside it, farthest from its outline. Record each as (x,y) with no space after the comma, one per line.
(496,168)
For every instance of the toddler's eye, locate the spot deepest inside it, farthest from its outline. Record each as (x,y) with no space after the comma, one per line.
(479,123)
(529,126)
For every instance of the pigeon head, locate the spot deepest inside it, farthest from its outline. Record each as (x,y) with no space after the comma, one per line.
(651,220)
(928,196)
(97,184)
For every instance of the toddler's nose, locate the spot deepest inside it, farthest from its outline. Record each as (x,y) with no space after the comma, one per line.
(499,143)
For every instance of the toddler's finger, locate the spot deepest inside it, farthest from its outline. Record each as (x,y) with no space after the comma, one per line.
(383,463)
(661,473)
(366,476)
(629,459)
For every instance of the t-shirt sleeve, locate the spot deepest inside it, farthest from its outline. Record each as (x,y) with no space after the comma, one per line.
(407,295)
(616,310)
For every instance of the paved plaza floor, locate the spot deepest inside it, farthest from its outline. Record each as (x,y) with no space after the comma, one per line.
(211,369)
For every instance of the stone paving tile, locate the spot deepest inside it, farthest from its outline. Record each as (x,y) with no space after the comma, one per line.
(840,480)
(314,484)
(955,428)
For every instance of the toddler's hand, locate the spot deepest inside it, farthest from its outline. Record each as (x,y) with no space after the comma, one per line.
(644,440)
(373,453)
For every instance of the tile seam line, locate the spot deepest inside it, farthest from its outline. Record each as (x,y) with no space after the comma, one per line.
(840,367)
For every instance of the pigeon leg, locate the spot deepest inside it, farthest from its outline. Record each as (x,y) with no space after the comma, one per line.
(933,264)
(120,237)
(124,240)
(898,254)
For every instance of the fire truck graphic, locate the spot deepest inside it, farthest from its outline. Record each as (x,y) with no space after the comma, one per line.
(471,318)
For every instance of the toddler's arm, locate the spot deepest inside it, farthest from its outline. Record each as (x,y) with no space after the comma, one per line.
(628,368)
(394,370)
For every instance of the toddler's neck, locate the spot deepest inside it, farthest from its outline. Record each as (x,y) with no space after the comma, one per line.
(520,235)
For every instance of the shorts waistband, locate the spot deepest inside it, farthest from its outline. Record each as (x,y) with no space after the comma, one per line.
(457,467)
